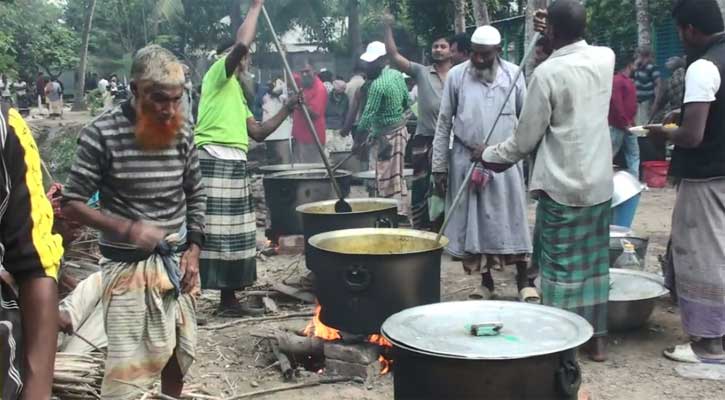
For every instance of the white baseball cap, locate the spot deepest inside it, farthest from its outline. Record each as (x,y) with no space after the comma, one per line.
(374,51)
(486,36)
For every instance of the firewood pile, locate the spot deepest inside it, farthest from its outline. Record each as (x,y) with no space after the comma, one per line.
(78,376)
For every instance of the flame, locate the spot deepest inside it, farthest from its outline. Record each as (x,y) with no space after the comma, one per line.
(317,329)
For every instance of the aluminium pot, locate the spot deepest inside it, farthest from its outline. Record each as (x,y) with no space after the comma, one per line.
(285,191)
(632,298)
(320,217)
(519,351)
(363,276)
(352,164)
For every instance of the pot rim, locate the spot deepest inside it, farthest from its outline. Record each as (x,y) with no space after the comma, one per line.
(296,174)
(314,241)
(386,204)
(626,298)
(275,168)
(370,175)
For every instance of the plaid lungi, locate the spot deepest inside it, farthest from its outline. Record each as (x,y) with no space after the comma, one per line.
(389,167)
(422,147)
(571,250)
(228,257)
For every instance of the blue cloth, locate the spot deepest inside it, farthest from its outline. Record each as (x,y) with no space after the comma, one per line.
(625,140)
(167,251)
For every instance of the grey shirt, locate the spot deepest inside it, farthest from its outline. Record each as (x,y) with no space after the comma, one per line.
(565,118)
(430,90)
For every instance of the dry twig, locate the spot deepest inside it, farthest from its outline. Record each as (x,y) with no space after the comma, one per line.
(290,387)
(305,314)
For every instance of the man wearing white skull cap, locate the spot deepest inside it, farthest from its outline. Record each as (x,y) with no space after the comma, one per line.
(490,228)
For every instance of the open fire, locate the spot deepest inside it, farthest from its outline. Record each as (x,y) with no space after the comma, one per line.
(317,329)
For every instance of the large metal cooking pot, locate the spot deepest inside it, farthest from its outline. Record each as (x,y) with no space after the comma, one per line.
(366,275)
(626,186)
(320,217)
(275,169)
(278,152)
(632,298)
(619,233)
(285,191)
(486,350)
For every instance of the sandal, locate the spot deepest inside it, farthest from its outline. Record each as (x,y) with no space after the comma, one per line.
(481,293)
(529,295)
(683,353)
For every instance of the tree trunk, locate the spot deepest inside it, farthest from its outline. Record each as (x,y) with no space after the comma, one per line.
(356,44)
(460,15)
(644,36)
(80,99)
(480,12)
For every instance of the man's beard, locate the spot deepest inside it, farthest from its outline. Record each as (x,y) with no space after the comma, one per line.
(484,75)
(152,135)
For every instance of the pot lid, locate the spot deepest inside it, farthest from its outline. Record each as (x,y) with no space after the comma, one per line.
(289,167)
(486,330)
(630,285)
(626,186)
(307,174)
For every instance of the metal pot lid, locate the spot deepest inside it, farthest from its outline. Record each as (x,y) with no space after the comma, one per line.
(307,174)
(526,330)
(626,186)
(359,206)
(630,285)
(370,175)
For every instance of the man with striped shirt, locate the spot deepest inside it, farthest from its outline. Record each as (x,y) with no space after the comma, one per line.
(140,156)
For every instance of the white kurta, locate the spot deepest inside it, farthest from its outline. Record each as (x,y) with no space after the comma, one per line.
(492,220)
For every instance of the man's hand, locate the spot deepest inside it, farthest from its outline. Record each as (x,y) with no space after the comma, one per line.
(387,18)
(477,153)
(673,117)
(540,20)
(144,236)
(65,323)
(440,183)
(257,3)
(189,266)
(294,101)
(658,133)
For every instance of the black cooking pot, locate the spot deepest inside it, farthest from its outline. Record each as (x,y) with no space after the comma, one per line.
(320,217)
(363,276)
(486,350)
(619,233)
(285,191)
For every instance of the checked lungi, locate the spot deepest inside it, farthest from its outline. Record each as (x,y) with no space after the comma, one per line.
(571,251)
(228,257)
(389,167)
(421,191)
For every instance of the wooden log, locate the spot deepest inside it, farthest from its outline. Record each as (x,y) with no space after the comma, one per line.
(288,373)
(299,346)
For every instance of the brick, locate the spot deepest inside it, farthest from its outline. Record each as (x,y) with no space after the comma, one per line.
(345,369)
(361,353)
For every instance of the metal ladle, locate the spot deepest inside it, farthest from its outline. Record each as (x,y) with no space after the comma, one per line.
(341,206)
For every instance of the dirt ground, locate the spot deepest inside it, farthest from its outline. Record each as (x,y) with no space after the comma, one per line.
(231,362)
(234,360)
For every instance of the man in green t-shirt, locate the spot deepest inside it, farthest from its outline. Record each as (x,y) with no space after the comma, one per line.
(222,135)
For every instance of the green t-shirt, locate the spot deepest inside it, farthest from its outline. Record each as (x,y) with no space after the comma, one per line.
(223,110)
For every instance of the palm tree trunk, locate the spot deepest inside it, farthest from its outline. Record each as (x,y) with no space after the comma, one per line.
(354,29)
(460,15)
(480,12)
(80,99)
(644,35)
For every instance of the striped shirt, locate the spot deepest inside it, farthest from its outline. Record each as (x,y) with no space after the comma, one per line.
(386,103)
(645,78)
(161,187)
